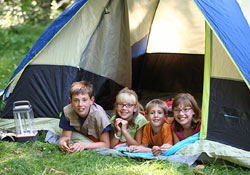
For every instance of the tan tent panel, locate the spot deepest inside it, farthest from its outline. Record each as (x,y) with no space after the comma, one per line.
(178,27)
(222,66)
(141,13)
(79,30)
(60,49)
(108,53)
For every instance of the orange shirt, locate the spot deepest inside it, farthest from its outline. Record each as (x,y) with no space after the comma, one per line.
(163,137)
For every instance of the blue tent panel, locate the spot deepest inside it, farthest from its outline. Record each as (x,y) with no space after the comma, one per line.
(228,22)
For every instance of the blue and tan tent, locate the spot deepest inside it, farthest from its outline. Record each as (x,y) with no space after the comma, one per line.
(199,46)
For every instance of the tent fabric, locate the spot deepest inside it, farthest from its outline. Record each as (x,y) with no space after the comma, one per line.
(102,67)
(51,31)
(190,140)
(231,110)
(222,68)
(189,160)
(245,4)
(141,15)
(177,30)
(48,96)
(217,150)
(206,83)
(230,25)
(57,44)
(45,124)
(110,42)
(229,115)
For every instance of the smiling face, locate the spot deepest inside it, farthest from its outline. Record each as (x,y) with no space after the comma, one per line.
(81,104)
(126,106)
(183,115)
(126,109)
(156,116)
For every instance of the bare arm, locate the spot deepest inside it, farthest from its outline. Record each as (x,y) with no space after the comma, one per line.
(130,139)
(117,130)
(176,139)
(113,140)
(139,148)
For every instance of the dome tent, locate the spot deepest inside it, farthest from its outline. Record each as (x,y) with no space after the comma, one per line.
(96,41)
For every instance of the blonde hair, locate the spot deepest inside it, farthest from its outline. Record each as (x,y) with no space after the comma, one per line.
(128,95)
(81,87)
(157,102)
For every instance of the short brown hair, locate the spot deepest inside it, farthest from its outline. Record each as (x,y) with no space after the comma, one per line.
(187,100)
(157,102)
(81,87)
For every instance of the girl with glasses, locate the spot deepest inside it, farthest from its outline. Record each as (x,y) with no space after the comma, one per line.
(127,123)
(187,117)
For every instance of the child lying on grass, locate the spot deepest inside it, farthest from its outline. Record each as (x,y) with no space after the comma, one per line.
(86,117)
(157,136)
(127,122)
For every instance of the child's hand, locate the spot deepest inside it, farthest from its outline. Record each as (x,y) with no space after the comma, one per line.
(166,147)
(77,147)
(118,124)
(124,125)
(121,125)
(131,148)
(156,150)
(64,144)
(138,148)
(134,148)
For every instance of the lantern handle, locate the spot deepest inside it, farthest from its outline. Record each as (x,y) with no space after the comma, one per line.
(23,102)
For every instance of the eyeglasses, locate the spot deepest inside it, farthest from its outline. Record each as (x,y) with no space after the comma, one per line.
(184,110)
(128,105)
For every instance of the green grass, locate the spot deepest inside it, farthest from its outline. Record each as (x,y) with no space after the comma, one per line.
(45,158)
(15,43)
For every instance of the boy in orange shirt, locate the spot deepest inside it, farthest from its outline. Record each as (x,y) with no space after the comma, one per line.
(157,135)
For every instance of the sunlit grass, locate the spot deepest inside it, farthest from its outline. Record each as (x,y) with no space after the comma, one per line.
(15,43)
(45,158)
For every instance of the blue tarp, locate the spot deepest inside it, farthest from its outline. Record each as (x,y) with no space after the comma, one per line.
(171,151)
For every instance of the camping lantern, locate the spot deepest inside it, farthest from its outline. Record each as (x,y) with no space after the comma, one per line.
(24,116)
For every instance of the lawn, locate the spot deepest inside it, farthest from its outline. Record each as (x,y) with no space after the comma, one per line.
(15,43)
(43,158)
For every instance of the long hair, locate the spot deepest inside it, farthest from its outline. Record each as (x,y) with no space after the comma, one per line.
(187,100)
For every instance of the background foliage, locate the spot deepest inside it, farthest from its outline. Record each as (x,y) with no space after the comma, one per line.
(14,12)
(21,23)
